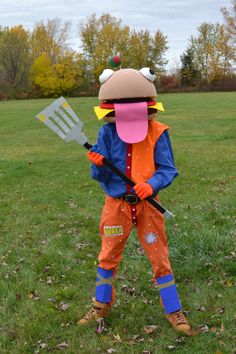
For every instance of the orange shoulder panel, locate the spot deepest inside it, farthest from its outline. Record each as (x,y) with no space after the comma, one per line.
(143,164)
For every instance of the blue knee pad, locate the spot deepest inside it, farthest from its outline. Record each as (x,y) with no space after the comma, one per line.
(169,294)
(104,281)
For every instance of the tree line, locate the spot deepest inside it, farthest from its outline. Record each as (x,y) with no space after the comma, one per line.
(41,63)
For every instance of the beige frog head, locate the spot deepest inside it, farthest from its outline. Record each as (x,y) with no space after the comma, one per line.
(127,97)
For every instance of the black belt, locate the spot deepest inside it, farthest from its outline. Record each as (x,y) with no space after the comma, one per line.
(131,198)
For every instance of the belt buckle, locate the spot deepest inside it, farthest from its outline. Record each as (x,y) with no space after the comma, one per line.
(131,198)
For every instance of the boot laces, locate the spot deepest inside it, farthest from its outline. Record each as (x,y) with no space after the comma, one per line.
(90,314)
(179,318)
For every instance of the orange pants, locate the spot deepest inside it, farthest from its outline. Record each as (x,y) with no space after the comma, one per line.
(116,223)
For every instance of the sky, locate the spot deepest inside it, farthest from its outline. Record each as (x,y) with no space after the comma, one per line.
(177,19)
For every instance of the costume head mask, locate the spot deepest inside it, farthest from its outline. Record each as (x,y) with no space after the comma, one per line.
(127,97)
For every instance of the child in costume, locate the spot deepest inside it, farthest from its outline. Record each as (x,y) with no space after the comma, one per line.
(140,147)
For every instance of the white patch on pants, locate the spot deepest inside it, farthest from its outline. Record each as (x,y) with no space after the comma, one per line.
(151,238)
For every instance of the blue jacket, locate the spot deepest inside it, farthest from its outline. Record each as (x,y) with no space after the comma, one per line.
(117,151)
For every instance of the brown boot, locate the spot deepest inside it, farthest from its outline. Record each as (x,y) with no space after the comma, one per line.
(179,322)
(98,311)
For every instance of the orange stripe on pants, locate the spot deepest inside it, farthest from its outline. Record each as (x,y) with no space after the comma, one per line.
(115,227)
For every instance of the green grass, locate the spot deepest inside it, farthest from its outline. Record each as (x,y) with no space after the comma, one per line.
(49,217)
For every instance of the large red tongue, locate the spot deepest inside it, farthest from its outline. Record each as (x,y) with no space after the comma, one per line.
(131,121)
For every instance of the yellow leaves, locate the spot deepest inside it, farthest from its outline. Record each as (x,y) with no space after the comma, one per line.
(49,38)
(117,338)
(19,32)
(214,52)
(39,67)
(229,283)
(106,35)
(150,329)
(56,78)
(33,295)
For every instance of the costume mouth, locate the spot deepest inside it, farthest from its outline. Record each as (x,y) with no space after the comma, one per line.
(131,116)
(107,108)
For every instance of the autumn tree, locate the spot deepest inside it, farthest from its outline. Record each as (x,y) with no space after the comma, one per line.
(50,38)
(104,36)
(15,58)
(143,49)
(202,47)
(222,57)
(56,70)
(60,78)
(168,82)
(100,38)
(230,22)
(213,54)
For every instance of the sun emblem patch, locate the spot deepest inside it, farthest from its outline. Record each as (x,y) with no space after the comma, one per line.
(151,238)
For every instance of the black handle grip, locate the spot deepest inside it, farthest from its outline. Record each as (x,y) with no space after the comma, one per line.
(88,146)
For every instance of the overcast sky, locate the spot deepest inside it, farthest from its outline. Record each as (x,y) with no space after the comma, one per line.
(177,19)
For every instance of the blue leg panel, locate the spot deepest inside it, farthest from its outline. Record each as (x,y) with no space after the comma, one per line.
(104,285)
(169,294)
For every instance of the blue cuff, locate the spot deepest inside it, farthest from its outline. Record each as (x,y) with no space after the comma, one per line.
(104,285)
(169,294)
(155,184)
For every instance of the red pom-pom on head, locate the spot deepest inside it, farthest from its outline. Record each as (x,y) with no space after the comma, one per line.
(115,61)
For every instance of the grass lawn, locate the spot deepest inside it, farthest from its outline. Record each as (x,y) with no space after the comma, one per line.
(49,241)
